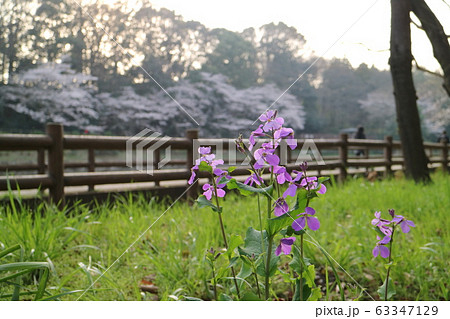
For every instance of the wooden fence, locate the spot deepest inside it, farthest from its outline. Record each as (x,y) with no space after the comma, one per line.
(53,173)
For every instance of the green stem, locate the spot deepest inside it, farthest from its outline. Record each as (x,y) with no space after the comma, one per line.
(222,228)
(214,281)
(301,267)
(389,269)
(260,223)
(256,279)
(269,254)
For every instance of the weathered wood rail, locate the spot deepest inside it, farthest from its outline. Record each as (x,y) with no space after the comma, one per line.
(53,173)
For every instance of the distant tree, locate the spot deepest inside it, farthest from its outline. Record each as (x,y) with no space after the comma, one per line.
(408,120)
(53,92)
(233,57)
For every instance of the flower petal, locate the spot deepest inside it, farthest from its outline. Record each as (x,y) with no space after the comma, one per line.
(220,192)
(313,223)
(299,223)
(376,251)
(290,191)
(310,210)
(384,251)
(278,250)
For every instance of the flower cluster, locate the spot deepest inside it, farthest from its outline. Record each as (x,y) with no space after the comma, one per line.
(209,159)
(387,228)
(266,156)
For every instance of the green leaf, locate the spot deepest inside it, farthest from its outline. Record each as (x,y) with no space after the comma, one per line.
(252,243)
(203,202)
(231,169)
(204,167)
(224,297)
(42,284)
(247,190)
(233,243)
(9,250)
(306,291)
(246,270)
(301,200)
(23,265)
(274,225)
(252,246)
(322,179)
(290,231)
(223,180)
(315,295)
(390,291)
(296,262)
(250,296)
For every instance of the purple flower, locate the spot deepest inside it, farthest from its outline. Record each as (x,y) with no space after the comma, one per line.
(306,219)
(191,179)
(253,179)
(282,174)
(209,191)
(271,122)
(259,133)
(380,249)
(287,133)
(204,150)
(310,183)
(281,207)
(285,246)
(404,223)
(293,185)
(265,155)
(379,222)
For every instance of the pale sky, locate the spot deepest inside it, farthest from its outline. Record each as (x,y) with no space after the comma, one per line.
(359,29)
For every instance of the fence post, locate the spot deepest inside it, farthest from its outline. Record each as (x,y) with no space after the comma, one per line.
(388,156)
(445,157)
(191,135)
(343,156)
(41,160)
(156,160)
(91,165)
(56,163)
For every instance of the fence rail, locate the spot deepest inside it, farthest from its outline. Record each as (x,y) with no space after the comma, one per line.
(54,173)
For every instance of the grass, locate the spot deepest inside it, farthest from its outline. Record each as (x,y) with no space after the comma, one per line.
(82,242)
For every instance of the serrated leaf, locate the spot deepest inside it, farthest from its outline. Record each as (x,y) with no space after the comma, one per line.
(390,292)
(315,295)
(203,202)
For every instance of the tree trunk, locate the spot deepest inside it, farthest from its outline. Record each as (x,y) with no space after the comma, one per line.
(437,36)
(405,94)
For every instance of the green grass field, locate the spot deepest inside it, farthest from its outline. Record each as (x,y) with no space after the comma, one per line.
(83,242)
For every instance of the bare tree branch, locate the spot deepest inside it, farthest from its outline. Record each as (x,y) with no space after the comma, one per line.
(437,37)
(418,67)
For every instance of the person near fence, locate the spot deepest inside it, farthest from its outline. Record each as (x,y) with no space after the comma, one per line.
(443,138)
(361,136)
